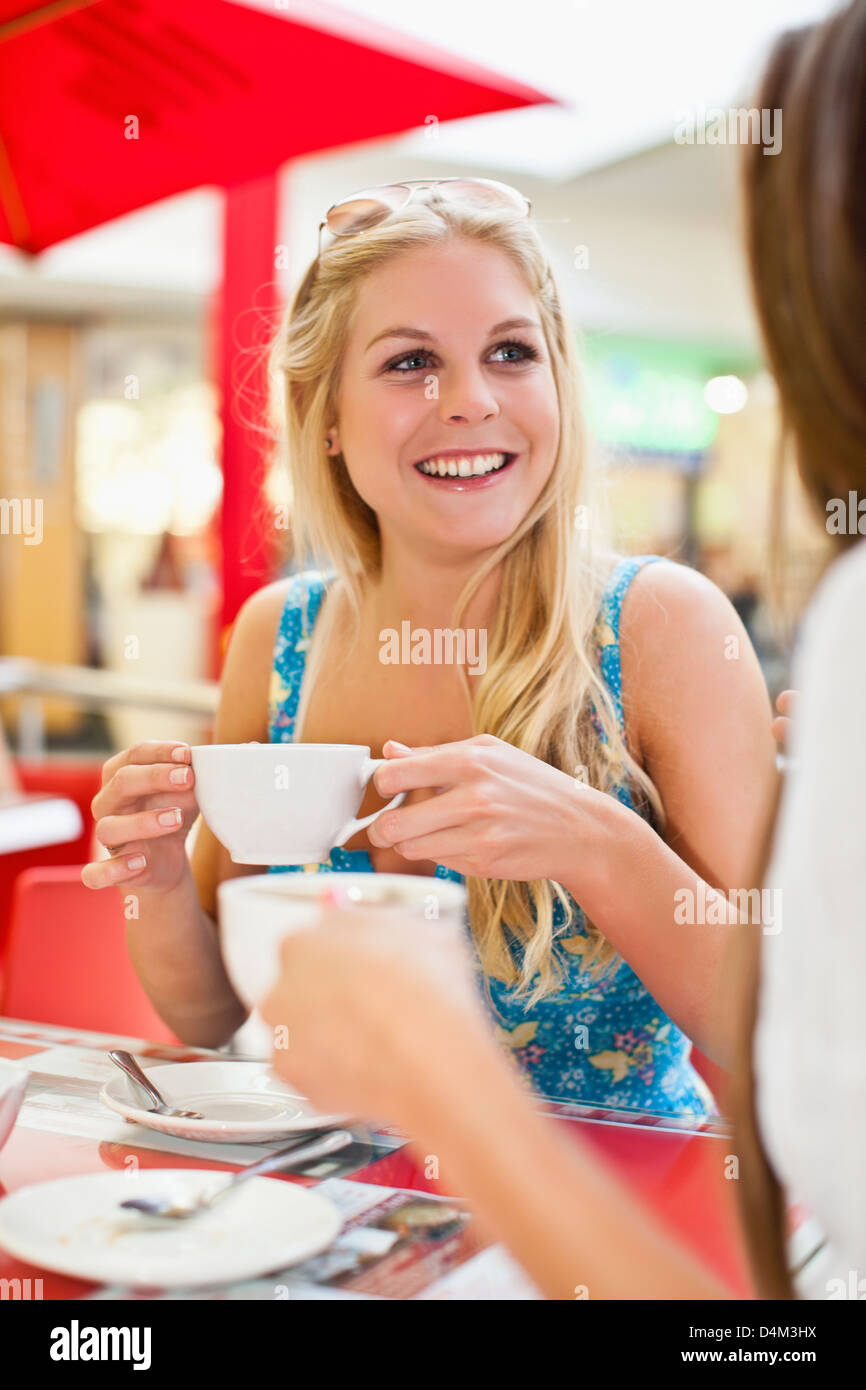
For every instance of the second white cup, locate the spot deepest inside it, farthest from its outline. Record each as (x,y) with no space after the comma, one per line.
(257,911)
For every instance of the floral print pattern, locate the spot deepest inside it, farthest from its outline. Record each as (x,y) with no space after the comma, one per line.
(595,1042)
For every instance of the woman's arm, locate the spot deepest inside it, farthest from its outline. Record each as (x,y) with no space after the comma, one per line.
(174,940)
(578,1231)
(382,1030)
(703,725)
(698,718)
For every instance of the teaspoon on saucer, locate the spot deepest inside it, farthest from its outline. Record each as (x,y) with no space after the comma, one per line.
(128,1064)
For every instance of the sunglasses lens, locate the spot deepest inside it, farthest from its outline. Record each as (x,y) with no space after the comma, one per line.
(371,205)
(366,208)
(487,192)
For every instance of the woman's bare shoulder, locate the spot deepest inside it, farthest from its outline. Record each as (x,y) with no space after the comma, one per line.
(262,611)
(250,652)
(681,635)
(266,604)
(657,592)
(247,667)
(673,602)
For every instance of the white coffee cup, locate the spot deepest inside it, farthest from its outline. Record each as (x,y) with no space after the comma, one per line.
(257,911)
(284,803)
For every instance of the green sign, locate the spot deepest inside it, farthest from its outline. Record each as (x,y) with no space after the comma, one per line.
(648,397)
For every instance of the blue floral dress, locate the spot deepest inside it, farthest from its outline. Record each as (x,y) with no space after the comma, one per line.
(602,1043)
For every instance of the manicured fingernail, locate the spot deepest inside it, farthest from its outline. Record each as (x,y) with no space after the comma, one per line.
(172,817)
(404,748)
(179,775)
(179,754)
(137,861)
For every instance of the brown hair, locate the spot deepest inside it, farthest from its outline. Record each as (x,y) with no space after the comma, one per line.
(805,211)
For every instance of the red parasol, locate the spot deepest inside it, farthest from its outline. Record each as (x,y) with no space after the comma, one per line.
(110,105)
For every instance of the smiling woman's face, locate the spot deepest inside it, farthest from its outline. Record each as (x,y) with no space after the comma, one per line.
(446,355)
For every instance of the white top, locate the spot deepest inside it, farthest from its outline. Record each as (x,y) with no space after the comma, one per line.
(810,1038)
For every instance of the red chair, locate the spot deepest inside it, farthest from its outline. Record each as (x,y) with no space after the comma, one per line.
(79,780)
(67,962)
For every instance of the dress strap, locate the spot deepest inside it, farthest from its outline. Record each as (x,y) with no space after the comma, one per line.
(306,591)
(607,627)
(304,595)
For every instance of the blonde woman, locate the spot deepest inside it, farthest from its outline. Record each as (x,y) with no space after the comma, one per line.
(613,752)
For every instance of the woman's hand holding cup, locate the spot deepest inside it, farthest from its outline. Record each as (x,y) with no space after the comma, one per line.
(144,811)
(375,1006)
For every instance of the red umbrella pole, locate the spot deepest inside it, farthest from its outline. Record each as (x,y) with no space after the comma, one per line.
(247,315)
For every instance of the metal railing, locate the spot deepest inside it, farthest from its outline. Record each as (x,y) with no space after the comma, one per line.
(95,689)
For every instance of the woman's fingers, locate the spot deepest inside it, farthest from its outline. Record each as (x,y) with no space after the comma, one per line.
(127,822)
(781,730)
(114,831)
(133,781)
(786,704)
(150,751)
(105,872)
(445,764)
(422,817)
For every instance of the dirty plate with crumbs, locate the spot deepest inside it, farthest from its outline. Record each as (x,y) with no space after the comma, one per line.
(76,1226)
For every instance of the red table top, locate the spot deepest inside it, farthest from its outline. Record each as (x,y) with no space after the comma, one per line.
(63,1130)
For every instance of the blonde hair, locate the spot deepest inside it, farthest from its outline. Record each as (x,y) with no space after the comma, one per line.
(542,678)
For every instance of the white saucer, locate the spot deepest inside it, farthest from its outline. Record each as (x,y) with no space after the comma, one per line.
(242,1102)
(76,1226)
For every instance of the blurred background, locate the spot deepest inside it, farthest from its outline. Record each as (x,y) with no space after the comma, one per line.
(130,395)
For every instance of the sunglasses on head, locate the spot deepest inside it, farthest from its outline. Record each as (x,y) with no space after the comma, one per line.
(366,208)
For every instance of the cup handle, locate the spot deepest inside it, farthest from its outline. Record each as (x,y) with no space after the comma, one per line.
(355,825)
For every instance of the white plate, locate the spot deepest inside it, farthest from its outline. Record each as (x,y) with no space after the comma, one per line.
(76,1226)
(242,1102)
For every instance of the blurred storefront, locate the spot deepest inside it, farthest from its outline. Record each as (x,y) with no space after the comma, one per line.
(43,553)
(688,440)
(148,487)
(113,428)
(114,424)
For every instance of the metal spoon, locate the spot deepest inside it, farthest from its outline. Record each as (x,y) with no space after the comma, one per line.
(286,1158)
(128,1064)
